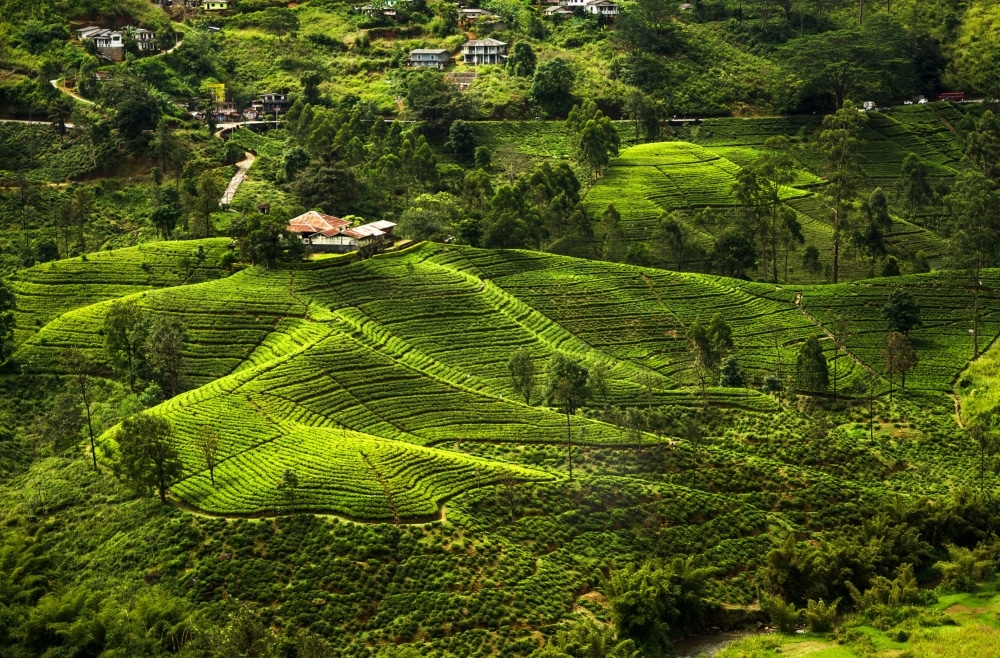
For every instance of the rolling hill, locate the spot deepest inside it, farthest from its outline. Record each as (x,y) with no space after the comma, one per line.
(364,371)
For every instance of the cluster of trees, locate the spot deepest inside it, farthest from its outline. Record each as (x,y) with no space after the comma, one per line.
(346,160)
(141,346)
(914,543)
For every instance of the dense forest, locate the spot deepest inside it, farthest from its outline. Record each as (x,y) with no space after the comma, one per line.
(688,328)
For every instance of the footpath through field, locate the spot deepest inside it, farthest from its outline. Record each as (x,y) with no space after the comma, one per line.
(829,334)
(81,99)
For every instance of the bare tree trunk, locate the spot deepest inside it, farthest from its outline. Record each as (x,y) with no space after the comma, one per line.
(569,444)
(90,426)
(975,316)
(836,246)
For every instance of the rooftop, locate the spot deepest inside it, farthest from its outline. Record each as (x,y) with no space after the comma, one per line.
(316,222)
(485,42)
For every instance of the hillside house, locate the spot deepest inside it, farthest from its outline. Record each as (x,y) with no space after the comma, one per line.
(558,11)
(328,234)
(145,40)
(601,8)
(270,104)
(484,51)
(110,44)
(436,58)
(215,5)
(595,7)
(473,14)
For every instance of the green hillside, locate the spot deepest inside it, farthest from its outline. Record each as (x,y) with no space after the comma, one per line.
(313,361)
(383,385)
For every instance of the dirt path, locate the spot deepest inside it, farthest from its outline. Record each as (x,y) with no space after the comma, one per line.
(241,173)
(79,99)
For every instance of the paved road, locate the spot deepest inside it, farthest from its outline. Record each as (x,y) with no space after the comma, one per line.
(32,123)
(237,180)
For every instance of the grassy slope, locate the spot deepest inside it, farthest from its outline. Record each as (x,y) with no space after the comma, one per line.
(410,350)
(969,628)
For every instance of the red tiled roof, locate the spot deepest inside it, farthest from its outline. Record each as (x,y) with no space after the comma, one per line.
(315,222)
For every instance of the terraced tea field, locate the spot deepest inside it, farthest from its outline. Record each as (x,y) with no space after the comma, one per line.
(364,376)
(647,180)
(48,290)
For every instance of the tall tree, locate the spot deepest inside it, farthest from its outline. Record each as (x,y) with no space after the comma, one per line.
(758,187)
(913,185)
(839,143)
(611,245)
(552,87)
(83,371)
(900,357)
(164,352)
(836,65)
(289,486)
(522,373)
(841,332)
(567,388)
(596,137)
(701,346)
(7,305)
(811,370)
(207,443)
(983,431)
(164,144)
(521,62)
(974,208)
(125,330)
(146,457)
(668,240)
(205,203)
(462,141)
(721,336)
(265,240)
(79,209)
(790,234)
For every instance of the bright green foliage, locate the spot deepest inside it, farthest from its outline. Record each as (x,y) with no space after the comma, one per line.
(783,615)
(966,568)
(146,456)
(821,616)
(587,639)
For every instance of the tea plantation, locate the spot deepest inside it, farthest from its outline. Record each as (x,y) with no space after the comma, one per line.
(435,504)
(397,355)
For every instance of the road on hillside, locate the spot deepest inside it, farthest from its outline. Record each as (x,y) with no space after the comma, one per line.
(237,180)
(32,123)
